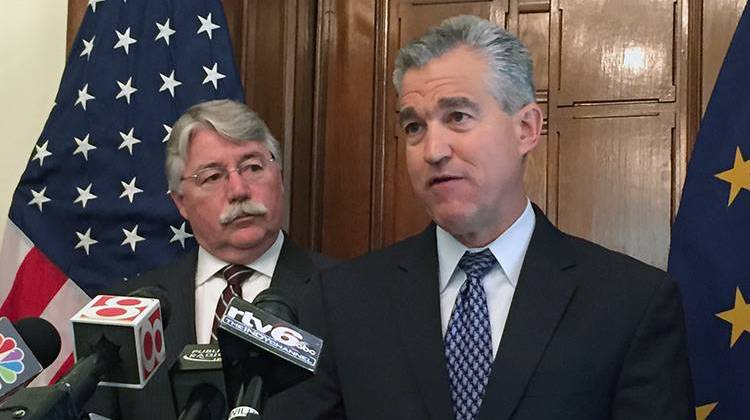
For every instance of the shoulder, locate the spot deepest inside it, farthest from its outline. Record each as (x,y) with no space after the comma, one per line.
(383,263)
(178,270)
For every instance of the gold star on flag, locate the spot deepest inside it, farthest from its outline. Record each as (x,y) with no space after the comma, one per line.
(738,177)
(702,412)
(739,317)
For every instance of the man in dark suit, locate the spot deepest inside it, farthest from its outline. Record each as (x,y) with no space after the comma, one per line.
(491,313)
(224,173)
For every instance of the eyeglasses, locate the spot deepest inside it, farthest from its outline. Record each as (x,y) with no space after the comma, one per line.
(252,170)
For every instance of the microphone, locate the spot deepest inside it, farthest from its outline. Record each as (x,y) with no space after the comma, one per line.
(26,348)
(263,351)
(117,340)
(198,383)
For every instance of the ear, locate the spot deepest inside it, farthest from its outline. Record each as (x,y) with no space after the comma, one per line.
(178,201)
(529,122)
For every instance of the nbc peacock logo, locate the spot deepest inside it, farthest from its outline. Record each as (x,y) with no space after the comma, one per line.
(11,360)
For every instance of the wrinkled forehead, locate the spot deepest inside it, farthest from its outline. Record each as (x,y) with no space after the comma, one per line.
(206,143)
(460,72)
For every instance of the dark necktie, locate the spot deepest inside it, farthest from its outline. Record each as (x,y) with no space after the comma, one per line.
(468,340)
(235,275)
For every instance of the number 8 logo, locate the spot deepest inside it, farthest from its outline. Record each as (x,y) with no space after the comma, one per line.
(115,308)
(152,343)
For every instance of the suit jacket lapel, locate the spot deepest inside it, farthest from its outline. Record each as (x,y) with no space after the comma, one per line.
(417,312)
(539,302)
(180,284)
(293,268)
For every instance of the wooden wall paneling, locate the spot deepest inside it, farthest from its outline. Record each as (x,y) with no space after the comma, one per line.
(720,19)
(304,203)
(621,196)
(616,52)
(381,121)
(618,101)
(348,129)
(533,21)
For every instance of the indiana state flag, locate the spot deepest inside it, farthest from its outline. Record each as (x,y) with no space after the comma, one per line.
(710,250)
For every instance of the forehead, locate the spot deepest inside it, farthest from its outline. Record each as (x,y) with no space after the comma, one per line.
(460,72)
(208,145)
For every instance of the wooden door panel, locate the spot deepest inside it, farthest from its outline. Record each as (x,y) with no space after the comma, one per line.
(418,16)
(615,178)
(616,51)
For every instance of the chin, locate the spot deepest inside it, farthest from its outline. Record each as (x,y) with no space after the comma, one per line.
(454,222)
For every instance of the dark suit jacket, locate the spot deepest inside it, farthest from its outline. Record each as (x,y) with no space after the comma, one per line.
(294,267)
(591,334)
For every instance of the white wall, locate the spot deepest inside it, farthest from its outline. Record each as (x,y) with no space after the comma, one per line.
(32,47)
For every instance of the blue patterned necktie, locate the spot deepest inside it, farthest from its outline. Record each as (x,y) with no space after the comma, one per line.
(468,340)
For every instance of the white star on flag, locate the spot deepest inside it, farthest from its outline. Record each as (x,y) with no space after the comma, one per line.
(93,3)
(128,140)
(169,83)
(39,198)
(124,40)
(83,147)
(168,129)
(88,47)
(84,195)
(129,190)
(126,89)
(131,237)
(85,240)
(213,75)
(83,96)
(206,25)
(41,153)
(179,234)
(164,31)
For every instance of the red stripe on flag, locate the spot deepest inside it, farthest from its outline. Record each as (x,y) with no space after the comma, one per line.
(36,283)
(64,368)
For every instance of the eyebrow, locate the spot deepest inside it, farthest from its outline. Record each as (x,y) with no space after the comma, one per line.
(246,156)
(406,114)
(458,102)
(449,103)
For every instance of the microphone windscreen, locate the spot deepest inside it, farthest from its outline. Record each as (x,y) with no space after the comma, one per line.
(278,302)
(41,337)
(156,292)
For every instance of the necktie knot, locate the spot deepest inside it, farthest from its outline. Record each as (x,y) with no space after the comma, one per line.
(236,274)
(477,264)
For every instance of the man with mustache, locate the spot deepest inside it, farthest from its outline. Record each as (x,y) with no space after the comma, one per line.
(224,172)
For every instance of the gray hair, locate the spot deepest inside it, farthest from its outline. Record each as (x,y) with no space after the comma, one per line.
(511,71)
(233,120)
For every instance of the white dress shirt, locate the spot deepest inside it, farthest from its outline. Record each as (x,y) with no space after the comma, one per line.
(499,283)
(209,283)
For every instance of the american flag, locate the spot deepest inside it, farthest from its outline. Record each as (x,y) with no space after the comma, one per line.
(92,207)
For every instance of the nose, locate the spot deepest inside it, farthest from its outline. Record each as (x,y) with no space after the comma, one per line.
(237,187)
(436,145)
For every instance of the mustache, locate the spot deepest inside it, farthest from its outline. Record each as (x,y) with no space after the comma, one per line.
(242,208)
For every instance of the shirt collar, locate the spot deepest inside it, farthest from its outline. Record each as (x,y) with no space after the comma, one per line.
(209,265)
(509,248)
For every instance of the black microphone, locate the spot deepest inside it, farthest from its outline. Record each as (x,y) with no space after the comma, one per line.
(118,340)
(41,337)
(198,383)
(263,352)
